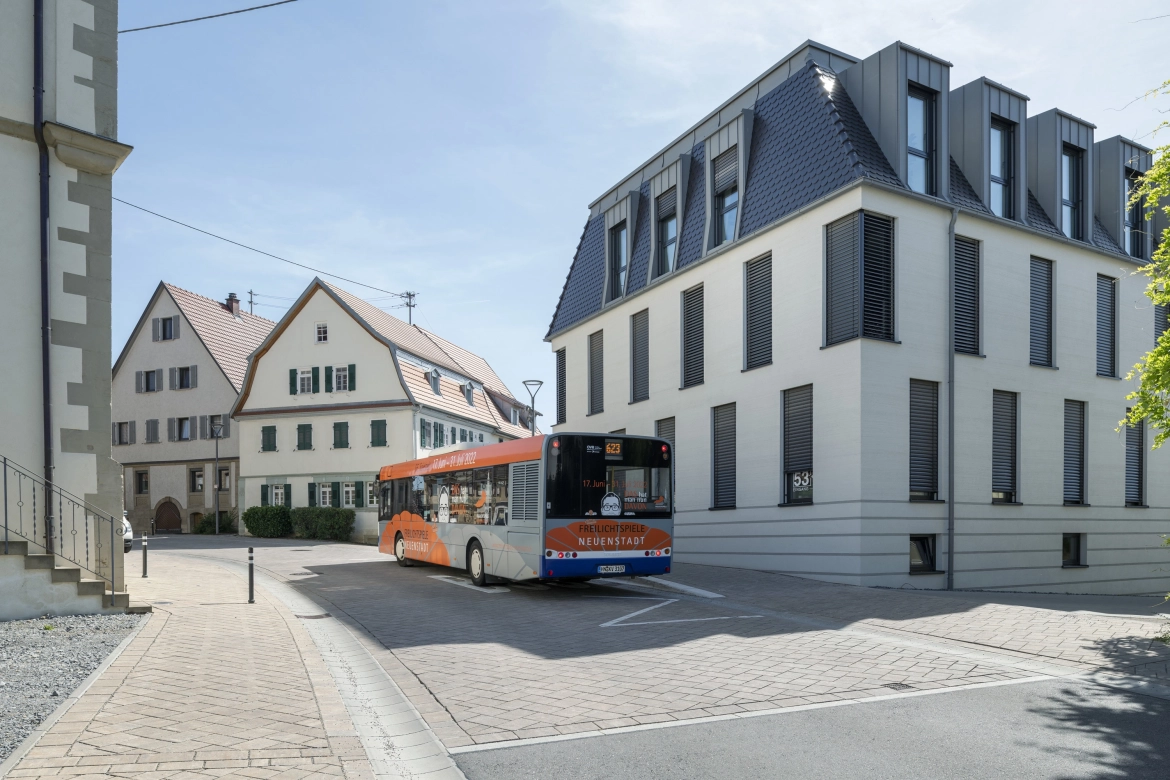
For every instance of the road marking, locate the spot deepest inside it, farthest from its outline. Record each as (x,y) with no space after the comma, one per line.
(689,620)
(616,621)
(465,584)
(706,594)
(738,715)
(621,620)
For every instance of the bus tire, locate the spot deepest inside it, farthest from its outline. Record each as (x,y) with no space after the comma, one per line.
(400,551)
(475,564)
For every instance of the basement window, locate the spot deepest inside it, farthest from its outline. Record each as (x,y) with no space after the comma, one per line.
(922,554)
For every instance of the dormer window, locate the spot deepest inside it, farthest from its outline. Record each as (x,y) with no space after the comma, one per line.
(1134,235)
(920,141)
(1071,177)
(726,191)
(667,212)
(433,378)
(617,261)
(515,416)
(1002,169)
(468,393)
(322,330)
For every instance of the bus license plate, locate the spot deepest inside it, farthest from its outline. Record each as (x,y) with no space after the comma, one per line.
(620,569)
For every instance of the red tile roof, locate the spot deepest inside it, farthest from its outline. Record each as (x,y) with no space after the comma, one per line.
(229,339)
(452,401)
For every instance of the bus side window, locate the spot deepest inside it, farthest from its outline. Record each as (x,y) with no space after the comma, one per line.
(500,495)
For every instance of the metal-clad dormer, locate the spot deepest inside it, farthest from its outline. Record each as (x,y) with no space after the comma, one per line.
(1060,170)
(1119,162)
(988,130)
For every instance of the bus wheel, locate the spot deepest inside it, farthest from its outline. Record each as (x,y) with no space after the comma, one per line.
(400,551)
(475,565)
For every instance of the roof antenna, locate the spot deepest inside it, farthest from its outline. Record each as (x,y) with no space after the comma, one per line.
(410,304)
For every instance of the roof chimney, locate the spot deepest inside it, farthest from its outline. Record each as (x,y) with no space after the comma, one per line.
(233,304)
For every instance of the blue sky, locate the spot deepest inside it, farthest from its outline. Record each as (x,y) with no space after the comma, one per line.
(452,148)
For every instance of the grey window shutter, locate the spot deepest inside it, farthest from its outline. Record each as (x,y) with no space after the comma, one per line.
(1161,322)
(312,494)
(227,425)
(1135,451)
(692,337)
(798,429)
(316,379)
(133,432)
(292,381)
(352,377)
(173,375)
(597,372)
(1040,316)
(758,312)
(1106,326)
(203,426)
(877,277)
(175,326)
(138,381)
(664,429)
(335,495)
(264,495)
(154,329)
(171,435)
(1074,452)
(113,433)
(288,495)
(562,407)
(158,379)
(924,437)
(359,495)
(842,277)
(966,295)
(328,379)
(194,376)
(154,437)
(1003,442)
(667,203)
(725,169)
(723,455)
(640,356)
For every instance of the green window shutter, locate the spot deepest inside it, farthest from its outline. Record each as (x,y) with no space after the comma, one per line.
(352,377)
(316,379)
(292,381)
(335,495)
(328,379)
(264,495)
(268,438)
(359,494)
(378,433)
(288,495)
(312,494)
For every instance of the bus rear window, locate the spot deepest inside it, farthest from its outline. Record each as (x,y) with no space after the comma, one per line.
(600,476)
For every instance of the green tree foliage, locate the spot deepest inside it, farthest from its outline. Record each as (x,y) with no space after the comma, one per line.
(267,521)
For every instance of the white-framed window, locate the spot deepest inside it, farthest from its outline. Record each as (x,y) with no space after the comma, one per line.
(515,416)
(348,495)
(371,494)
(481,437)
(322,332)
(305,381)
(341,379)
(325,494)
(277,495)
(463,434)
(183,429)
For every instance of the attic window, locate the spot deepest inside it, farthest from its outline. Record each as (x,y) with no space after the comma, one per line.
(1133,216)
(515,416)
(469,393)
(920,140)
(322,332)
(433,378)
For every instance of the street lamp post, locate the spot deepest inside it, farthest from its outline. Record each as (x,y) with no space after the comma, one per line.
(216,432)
(533,387)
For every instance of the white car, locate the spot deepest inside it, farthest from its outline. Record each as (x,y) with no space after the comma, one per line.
(127,533)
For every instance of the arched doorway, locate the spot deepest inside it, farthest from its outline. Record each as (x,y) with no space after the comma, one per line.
(167,519)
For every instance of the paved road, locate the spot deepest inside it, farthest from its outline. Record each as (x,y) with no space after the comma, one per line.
(1052,729)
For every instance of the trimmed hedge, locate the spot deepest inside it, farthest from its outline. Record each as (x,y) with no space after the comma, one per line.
(322,522)
(227,523)
(267,521)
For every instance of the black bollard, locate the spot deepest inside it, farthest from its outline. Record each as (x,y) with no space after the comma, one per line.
(251,580)
(144,556)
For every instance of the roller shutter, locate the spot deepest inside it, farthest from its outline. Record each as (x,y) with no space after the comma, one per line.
(1040,317)
(725,169)
(758,312)
(798,429)
(640,356)
(843,288)
(1106,326)
(966,295)
(562,409)
(664,429)
(1074,452)
(597,372)
(692,335)
(877,277)
(723,456)
(923,439)
(667,203)
(1003,443)
(1161,321)
(1135,451)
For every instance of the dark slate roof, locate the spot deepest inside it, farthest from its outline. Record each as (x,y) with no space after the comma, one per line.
(690,243)
(962,193)
(1037,217)
(581,295)
(1103,240)
(639,271)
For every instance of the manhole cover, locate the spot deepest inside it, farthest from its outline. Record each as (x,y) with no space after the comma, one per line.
(898,686)
(314,617)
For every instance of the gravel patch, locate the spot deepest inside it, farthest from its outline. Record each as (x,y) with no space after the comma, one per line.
(41,666)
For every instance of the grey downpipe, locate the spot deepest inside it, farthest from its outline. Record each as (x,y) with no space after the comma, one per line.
(46,332)
(951,400)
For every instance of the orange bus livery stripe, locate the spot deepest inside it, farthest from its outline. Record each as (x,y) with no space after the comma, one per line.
(515,451)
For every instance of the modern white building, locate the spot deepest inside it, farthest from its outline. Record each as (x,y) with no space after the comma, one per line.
(885,322)
(340,388)
(175,382)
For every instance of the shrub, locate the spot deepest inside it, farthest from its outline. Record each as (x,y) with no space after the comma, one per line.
(227,523)
(267,521)
(322,522)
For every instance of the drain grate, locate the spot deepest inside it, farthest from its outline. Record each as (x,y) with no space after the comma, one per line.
(325,615)
(898,686)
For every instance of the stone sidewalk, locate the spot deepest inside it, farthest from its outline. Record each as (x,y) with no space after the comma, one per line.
(209,687)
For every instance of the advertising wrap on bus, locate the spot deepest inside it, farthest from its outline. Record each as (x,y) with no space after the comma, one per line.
(566,506)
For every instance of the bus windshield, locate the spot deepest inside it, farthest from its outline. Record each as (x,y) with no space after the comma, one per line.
(607,476)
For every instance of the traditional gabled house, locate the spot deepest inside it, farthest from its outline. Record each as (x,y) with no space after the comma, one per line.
(340,388)
(174,385)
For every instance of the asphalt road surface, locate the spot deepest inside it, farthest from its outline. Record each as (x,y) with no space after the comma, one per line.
(1048,729)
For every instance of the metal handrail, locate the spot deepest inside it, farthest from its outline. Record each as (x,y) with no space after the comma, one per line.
(86,540)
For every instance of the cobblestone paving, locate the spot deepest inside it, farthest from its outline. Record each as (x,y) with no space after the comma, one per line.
(210,687)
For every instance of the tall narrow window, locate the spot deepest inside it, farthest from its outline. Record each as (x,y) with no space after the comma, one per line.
(1135,472)
(1040,315)
(305,436)
(1135,236)
(966,295)
(1071,177)
(1000,159)
(723,456)
(377,433)
(692,337)
(859,295)
(757,329)
(920,142)
(597,372)
(1074,452)
(664,429)
(1161,322)
(640,356)
(617,261)
(562,390)
(1106,326)
(798,445)
(725,171)
(340,435)
(923,440)
(1003,447)
(667,216)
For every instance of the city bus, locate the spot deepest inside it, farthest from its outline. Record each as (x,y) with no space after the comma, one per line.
(566,506)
